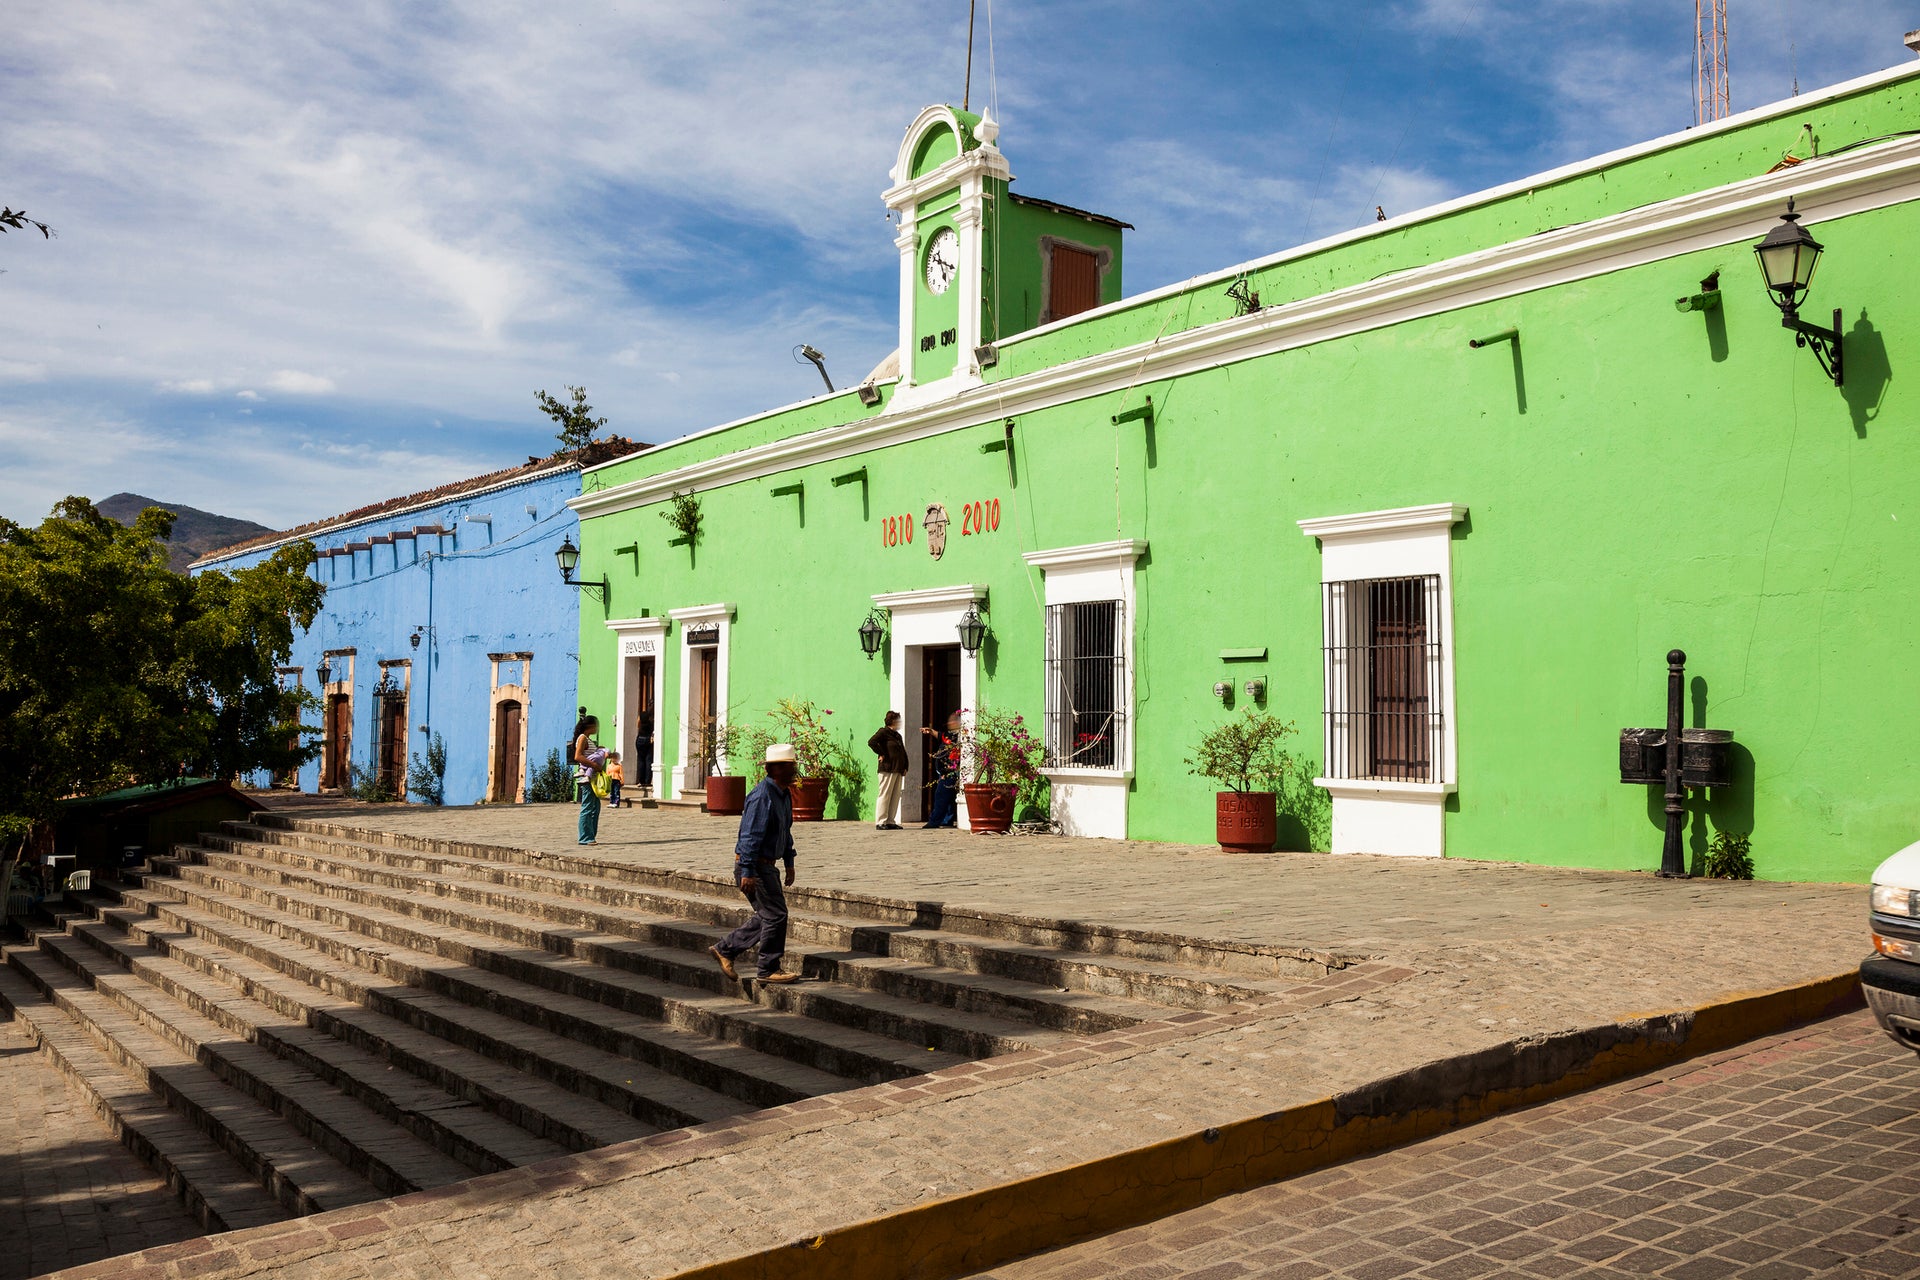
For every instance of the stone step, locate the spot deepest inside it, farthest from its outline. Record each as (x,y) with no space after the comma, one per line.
(372,1146)
(1067,990)
(296,1172)
(217,1191)
(926,1007)
(594,966)
(545,1113)
(1178,956)
(480,1140)
(629,1096)
(398,949)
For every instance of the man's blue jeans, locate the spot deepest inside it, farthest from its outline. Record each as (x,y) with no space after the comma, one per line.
(767,927)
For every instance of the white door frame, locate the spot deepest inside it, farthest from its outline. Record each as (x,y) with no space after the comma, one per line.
(694,617)
(920,620)
(636,640)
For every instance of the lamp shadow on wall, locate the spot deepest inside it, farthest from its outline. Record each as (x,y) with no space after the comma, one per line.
(1717,334)
(1868,372)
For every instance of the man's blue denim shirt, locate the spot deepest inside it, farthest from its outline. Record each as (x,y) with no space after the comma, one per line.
(766,829)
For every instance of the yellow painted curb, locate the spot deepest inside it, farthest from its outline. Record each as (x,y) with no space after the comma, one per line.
(981,1229)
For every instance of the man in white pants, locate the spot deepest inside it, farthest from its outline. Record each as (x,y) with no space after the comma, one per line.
(887,744)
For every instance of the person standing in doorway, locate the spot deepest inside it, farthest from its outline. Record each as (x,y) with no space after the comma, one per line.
(766,840)
(945,811)
(643,752)
(588,759)
(891,748)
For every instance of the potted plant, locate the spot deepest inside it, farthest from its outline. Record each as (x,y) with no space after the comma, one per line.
(824,763)
(998,756)
(726,793)
(1247,756)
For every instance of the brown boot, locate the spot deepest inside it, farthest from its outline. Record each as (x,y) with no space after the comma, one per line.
(726,963)
(781,978)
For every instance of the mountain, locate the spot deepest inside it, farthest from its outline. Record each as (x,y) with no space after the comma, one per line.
(195,532)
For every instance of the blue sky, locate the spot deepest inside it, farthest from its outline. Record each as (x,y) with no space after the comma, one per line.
(310,256)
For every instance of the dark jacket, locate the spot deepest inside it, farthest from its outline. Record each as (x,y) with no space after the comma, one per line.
(766,829)
(891,748)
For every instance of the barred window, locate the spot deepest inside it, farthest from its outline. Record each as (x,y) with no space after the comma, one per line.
(1086,684)
(1384,719)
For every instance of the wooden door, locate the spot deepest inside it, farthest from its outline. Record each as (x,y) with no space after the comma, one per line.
(507,770)
(706,714)
(1400,713)
(393,744)
(339,739)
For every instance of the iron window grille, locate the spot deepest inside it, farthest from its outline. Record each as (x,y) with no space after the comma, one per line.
(1086,684)
(1384,717)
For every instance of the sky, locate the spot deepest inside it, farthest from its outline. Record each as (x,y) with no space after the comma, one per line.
(310,256)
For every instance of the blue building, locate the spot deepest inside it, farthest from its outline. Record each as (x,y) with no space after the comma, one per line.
(445,613)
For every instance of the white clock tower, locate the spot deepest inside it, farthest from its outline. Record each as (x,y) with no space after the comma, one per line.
(942,194)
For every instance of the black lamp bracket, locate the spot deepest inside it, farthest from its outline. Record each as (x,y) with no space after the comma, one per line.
(1826,343)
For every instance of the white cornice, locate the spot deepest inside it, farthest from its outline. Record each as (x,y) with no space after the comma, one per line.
(702,613)
(1125,550)
(637,624)
(1870,178)
(930,597)
(1438,515)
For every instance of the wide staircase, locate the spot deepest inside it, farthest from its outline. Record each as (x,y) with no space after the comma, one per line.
(284,1019)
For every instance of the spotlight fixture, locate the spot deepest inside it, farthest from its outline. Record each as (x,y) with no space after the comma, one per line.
(987,355)
(806,351)
(868,393)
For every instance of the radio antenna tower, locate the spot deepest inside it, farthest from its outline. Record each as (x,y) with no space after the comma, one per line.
(1713,99)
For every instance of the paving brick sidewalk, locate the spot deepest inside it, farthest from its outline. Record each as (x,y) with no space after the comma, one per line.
(1790,1157)
(1479,959)
(69,1193)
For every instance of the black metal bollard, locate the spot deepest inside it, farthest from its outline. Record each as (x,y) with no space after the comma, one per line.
(1673,863)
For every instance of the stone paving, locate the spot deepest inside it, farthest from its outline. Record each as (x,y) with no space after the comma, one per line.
(69,1193)
(1792,1156)
(1470,959)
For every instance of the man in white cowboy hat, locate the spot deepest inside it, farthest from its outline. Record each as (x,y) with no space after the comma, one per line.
(766,838)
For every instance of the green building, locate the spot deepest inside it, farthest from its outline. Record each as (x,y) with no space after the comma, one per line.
(1443,491)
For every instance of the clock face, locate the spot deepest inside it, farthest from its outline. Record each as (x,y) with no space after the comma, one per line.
(943,260)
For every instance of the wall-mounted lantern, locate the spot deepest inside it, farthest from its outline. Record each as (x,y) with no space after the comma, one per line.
(325,672)
(1787,258)
(973,632)
(873,634)
(567,556)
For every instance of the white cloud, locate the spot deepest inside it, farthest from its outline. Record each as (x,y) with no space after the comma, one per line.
(300,384)
(246,395)
(189,386)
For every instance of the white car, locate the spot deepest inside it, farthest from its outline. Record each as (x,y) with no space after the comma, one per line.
(1891,977)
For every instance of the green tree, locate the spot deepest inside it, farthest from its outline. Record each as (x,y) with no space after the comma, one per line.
(116,671)
(576,420)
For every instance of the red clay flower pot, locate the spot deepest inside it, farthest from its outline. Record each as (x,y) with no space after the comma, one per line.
(990,805)
(809,799)
(726,796)
(1245,822)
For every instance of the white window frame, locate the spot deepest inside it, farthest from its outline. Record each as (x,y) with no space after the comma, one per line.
(635,639)
(1093,802)
(1377,815)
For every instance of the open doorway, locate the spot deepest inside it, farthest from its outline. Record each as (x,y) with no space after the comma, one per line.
(939,699)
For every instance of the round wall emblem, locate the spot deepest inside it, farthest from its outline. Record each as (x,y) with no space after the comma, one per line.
(936,526)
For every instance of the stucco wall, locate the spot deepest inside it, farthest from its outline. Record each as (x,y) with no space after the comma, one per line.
(489,586)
